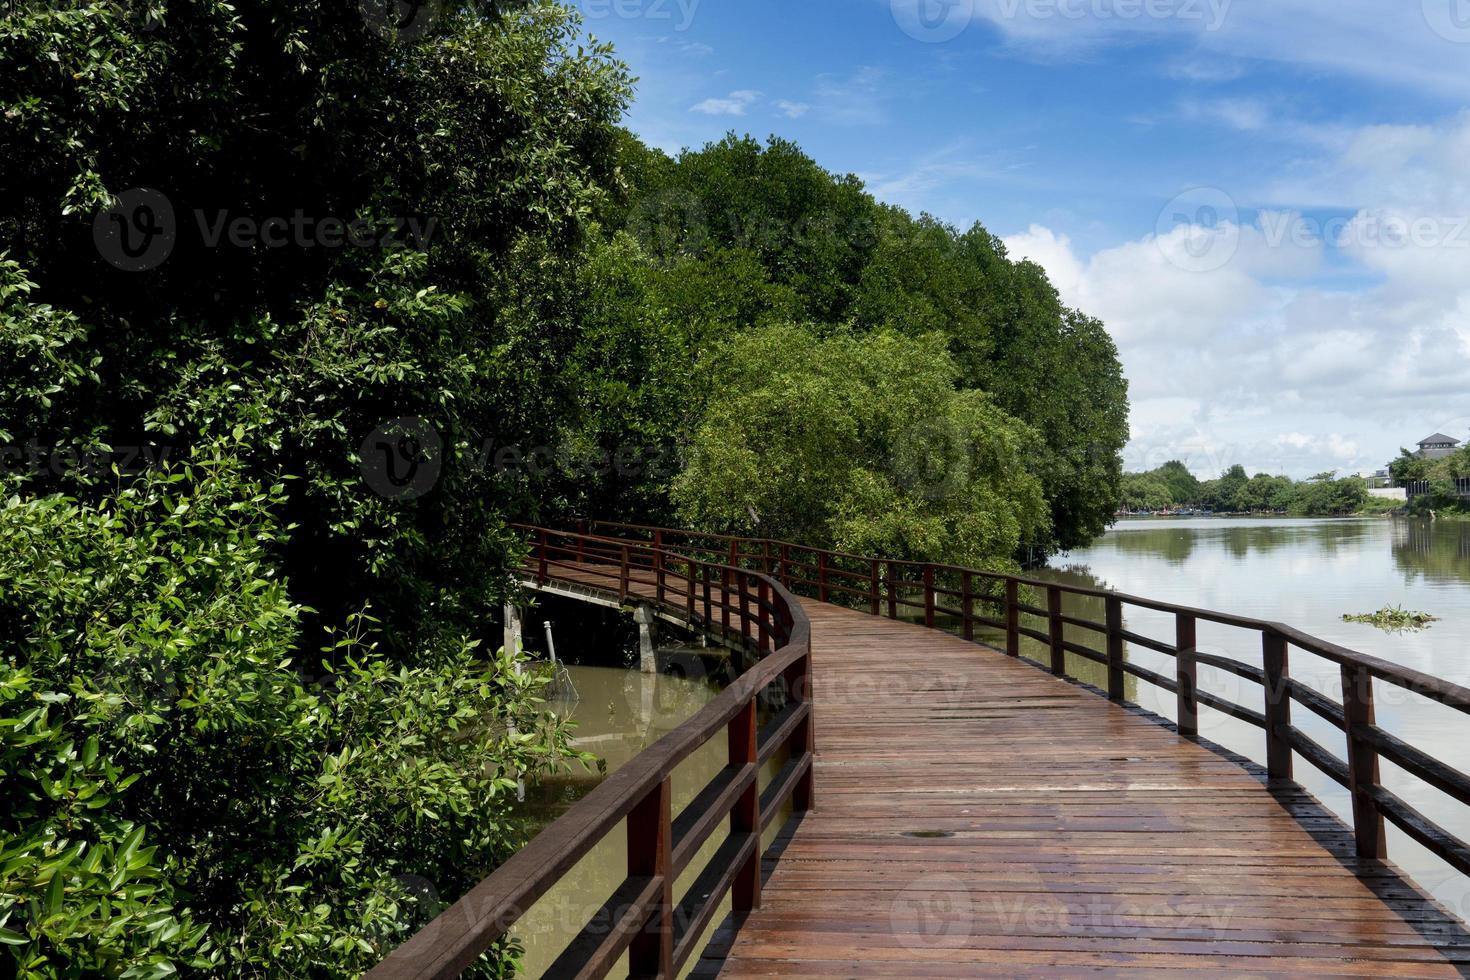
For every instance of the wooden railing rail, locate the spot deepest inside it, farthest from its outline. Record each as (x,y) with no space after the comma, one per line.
(643,917)
(947,596)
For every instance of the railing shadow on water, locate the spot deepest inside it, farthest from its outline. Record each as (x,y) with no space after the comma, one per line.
(746,589)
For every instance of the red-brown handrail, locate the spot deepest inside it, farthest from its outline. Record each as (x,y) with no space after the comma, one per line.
(642,916)
(892,588)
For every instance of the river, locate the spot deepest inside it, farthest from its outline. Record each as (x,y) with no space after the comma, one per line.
(1308,573)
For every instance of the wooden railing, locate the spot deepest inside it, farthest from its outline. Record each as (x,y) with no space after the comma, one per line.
(642,917)
(1423,488)
(966,598)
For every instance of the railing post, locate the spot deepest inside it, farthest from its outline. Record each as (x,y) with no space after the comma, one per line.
(658,575)
(892,594)
(785,565)
(744,604)
(766,556)
(1362,760)
(623,575)
(929,595)
(1115,648)
(1186,674)
(581,541)
(873,587)
(822,576)
(734,554)
(725,601)
(541,568)
(762,621)
(650,855)
(745,818)
(689,589)
(1278,705)
(1013,617)
(967,607)
(1054,630)
(803,742)
(704,577)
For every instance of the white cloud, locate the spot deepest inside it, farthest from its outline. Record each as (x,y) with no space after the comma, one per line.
(1220,355)
(734,104)
(1411,43)
(792,110)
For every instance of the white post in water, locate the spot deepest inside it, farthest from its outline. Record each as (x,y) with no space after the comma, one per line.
(550,645)
(513,646)
(512,628)
(647,659)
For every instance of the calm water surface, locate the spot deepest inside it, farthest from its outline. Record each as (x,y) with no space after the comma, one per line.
(1307,573)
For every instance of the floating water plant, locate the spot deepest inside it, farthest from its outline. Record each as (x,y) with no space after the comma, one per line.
(1395,618)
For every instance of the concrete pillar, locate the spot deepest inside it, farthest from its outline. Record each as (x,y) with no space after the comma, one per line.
(647,659)
(512,628)
(513,644)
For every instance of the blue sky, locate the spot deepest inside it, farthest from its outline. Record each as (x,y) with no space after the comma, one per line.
(1268,201)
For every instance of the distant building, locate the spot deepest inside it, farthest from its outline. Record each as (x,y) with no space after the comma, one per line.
(1437,446)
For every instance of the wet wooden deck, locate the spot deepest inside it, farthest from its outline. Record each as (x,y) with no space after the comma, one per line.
(976,816)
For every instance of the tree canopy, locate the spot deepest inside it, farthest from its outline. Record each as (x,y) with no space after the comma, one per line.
(1172,485)
(300,308)
(863,444)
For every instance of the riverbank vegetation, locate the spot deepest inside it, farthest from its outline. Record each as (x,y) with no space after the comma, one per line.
(1393,619)
(1172,485)
(1444,479)
(250,720)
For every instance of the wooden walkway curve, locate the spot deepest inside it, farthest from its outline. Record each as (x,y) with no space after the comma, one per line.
(976,816)
(957,811)
(1076,838)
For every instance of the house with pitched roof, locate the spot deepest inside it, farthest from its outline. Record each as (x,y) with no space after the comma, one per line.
(1437,446)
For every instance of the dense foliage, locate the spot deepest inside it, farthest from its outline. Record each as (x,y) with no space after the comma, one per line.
(246,725)
(257,472)
(875,450)
(806,246)
(1443,476)
(1172,485)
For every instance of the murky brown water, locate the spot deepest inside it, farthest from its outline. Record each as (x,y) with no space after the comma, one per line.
(619,713)
(1306,573)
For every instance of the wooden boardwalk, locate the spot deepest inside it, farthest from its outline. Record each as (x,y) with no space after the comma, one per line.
(976,816)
